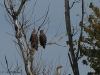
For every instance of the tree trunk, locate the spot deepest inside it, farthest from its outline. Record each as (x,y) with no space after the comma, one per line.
(68,28)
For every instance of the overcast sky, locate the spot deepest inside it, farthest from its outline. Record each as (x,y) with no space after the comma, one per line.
(53,53)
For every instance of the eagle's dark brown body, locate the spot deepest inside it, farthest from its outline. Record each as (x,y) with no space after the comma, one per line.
(34,39)
(42,39)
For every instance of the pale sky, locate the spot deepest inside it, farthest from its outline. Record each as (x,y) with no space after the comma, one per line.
(52,52)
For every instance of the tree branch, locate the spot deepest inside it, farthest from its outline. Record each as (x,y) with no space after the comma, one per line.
(81,33)
(70,39)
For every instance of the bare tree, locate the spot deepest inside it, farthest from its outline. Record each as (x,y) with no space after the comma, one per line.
(20,28)
(72,57)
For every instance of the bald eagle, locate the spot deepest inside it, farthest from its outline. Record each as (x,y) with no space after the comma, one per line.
(58,70)
(34,39)
(42,39)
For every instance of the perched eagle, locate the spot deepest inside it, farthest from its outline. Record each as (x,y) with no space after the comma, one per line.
(42,38)
(34,39)
(58,70)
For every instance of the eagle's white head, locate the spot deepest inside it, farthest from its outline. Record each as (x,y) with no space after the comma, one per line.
(59,69)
